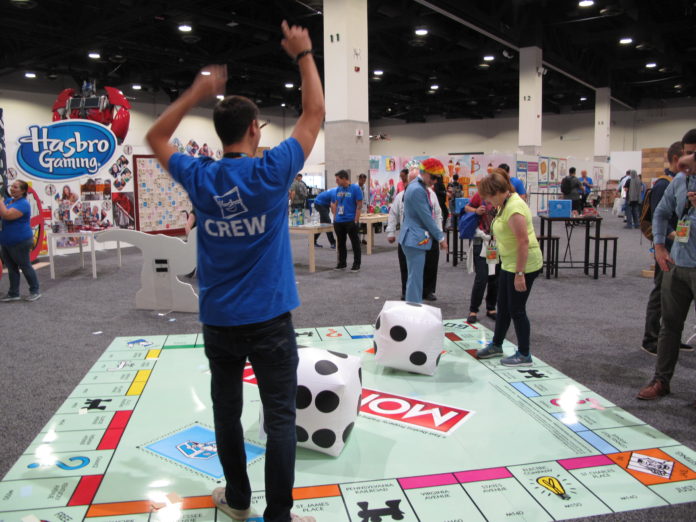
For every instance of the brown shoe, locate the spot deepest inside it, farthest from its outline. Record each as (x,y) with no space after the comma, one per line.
(654,390)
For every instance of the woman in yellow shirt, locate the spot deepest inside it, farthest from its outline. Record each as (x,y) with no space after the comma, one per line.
(521,262)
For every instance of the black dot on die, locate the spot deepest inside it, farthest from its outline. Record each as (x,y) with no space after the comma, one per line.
(347,431)
(325,367)
(338,354)
(324,438)
(327,401)
(302,435)
(304,397)
(374,343)
(418,358)
(360,375)
(438,360)
(378,323)
(398,333)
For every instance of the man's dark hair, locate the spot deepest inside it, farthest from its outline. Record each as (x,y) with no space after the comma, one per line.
(675,149)
(689,137)
(362,176)
(455,177)
(505,167)
(343,174)
(571,170)
(404,171)
(232,117)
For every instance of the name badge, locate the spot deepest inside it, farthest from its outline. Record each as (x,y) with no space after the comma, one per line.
(683,230)
(340,210)
(492,253)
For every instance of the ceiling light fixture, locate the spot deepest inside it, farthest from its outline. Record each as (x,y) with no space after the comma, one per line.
(421,31)
(185,28)
(220,96)
(678,86)
(289,85)
(586,3)
(483,65)
(282,105)
(488,58)
(379,72)
(136,86)
(650,65)
(431,92)
(625,41)
(205,73)
(583,98)
(30,75)
(94,55)
(434,87)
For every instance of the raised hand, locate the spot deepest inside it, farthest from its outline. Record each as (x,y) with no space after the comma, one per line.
(208,85)
(295,39)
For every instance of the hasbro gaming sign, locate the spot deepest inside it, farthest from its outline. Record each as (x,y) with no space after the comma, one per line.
(65,149)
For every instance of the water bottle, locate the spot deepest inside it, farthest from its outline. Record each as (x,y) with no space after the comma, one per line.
(315,216)
(295,219)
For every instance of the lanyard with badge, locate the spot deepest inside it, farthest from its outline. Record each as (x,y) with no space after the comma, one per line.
(492,247)
(339,208)
(684,224)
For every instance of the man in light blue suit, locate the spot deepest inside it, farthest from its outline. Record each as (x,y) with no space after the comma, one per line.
(419,228)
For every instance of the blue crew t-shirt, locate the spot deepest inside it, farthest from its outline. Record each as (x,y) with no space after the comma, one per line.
(245,268)
(519,186)
(325,197)
(14,231)
(346,198)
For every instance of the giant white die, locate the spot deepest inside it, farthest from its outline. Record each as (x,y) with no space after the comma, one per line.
(409,336)
(329,390)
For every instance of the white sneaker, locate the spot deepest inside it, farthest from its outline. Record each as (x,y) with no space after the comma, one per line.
(221,503)
(32,297)
(9,298)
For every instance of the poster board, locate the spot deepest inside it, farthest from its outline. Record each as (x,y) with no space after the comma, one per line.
(162,204)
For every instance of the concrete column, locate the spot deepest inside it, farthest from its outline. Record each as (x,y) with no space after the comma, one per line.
(602,129)
(531,74)
(347,131)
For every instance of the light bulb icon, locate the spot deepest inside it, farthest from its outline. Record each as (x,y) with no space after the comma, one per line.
(554,486)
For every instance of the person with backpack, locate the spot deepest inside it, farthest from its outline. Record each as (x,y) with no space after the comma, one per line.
(653,312)
(298,193)
(486,280)
(571,188)
(634,188)
(679,269)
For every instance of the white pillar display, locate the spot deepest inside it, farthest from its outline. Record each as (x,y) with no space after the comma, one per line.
(531,75)
(164,258)
(347,132)
(602,130)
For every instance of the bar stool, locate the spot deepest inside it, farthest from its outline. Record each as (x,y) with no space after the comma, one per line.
(551,262)
(605,244)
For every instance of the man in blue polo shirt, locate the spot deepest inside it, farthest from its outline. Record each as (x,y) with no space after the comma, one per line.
(346,204)
(247,282)
(322,204)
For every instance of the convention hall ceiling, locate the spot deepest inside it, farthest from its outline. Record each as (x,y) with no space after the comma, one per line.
(441,74)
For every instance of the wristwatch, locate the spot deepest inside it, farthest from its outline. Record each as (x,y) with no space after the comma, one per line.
(519,273)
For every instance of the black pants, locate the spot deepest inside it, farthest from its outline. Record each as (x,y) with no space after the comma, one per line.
(576,204)
(324,217)
(432,258)
(344,230)
(512,307)
(272,351)
(483,281)
(404,270)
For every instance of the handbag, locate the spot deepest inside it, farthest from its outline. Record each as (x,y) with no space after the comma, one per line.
(468,223)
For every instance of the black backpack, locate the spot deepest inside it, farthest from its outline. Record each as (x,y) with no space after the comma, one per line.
(566,185)
(645,220)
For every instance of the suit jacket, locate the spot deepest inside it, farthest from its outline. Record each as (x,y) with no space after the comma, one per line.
(419,228)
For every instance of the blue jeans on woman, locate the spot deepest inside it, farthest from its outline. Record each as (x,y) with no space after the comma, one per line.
(272,351)
(17,257)
(512,307)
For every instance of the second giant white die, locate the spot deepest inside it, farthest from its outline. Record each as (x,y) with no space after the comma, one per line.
(409,336)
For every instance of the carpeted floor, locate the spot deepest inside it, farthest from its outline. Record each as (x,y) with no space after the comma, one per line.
(590,330)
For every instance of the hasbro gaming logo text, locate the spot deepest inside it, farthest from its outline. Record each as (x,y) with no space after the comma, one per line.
(65,150)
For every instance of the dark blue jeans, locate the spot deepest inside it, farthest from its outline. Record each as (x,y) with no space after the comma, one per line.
(272,351)
(512,307)
(17,257)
